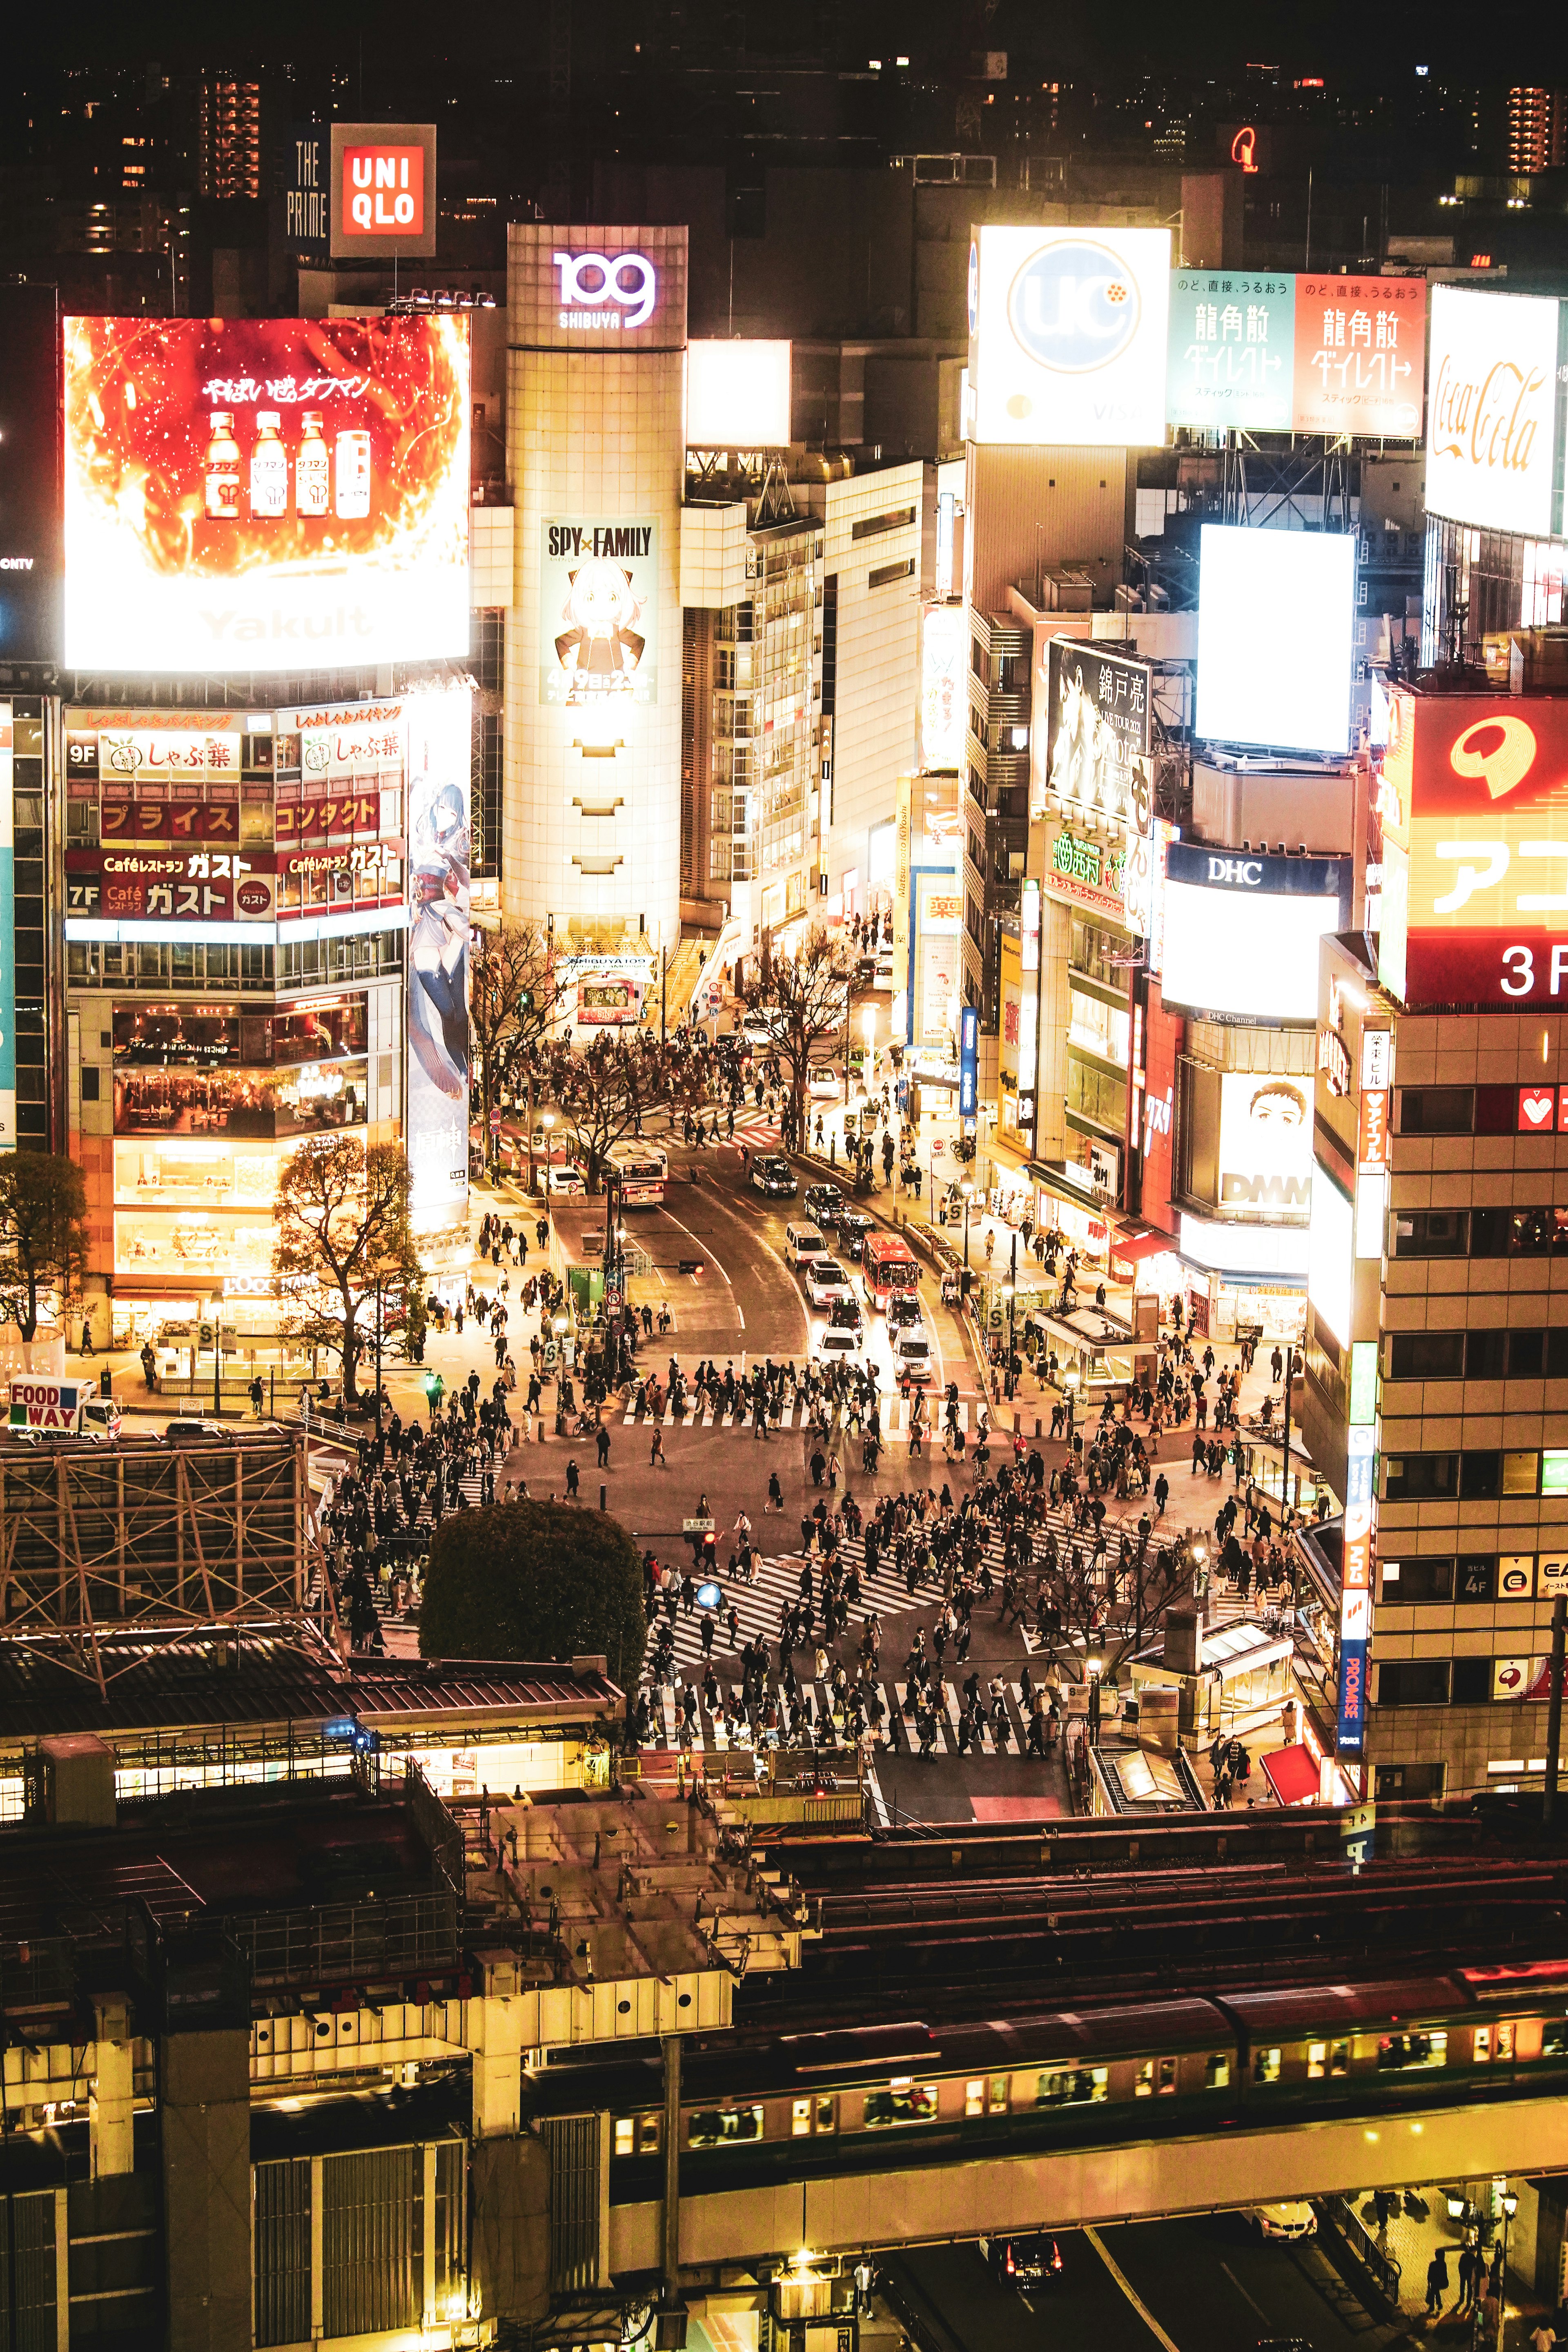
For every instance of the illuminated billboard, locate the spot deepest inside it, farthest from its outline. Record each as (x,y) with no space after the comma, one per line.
(944,685)
(30,551)
(598,582)
(737,396)
(1473,803)
(265,494)
(1259,591)
(1330,1254)
(383,191)
(1360,355)
(1068,334)
(1233,348)
(1492,410)
(1264,1146)
(439,758)
(1241,933)
(1100,720)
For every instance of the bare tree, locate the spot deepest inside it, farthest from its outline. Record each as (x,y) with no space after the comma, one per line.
(1126,1600)
(604,1091)
(343,1238)
(512,1001)
(803,1001)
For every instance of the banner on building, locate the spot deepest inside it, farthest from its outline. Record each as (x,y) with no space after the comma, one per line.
(598,585)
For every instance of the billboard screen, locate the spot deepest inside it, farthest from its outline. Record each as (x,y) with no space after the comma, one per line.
(7,936)
(1241,933)
(31,559)
(1361,348)
(944,685)
(1491,411)
(1233,345)
(439,767)
(1329,1254)
(265,494)
(384,191)
(737,396)
(1247,693)
(1264,1146)
(599,596)
(1099,733)
(1068,334)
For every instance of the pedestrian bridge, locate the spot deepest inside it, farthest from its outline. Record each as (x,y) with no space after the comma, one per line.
(1135,2180)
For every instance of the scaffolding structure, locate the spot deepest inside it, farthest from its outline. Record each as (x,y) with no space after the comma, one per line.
(141,1539)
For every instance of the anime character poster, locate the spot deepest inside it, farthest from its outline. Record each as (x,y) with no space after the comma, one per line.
(598,612)
(439,761)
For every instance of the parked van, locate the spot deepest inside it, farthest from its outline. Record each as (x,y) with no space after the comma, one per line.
(803,1242)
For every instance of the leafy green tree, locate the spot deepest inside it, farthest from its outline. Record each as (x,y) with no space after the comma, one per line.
(43,1236)
(535,1581)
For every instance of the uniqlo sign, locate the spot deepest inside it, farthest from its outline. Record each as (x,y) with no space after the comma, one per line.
(383,189)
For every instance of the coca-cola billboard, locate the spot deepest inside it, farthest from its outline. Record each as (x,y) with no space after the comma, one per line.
(1492,409)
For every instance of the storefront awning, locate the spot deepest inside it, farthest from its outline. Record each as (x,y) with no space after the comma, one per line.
(1140,1240)
(1292,1775)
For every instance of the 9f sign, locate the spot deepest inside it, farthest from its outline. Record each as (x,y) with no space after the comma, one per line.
(601,290)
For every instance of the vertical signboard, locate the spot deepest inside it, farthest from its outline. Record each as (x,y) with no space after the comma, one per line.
(968,1060)
(1099,733)
(307,195)
(439,758)
(598,586)
(7,939)
(383,191)
(32,549)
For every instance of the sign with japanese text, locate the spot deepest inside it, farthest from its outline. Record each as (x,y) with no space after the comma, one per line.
(1086,876)
(1233,348)
(198,886)
(1099,733)
(1360,354)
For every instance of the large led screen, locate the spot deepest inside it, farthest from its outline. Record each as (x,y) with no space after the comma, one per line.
(737,394)
(265,494)
(1068,334)
(1276,613)
(1265,1144)
(1242,933)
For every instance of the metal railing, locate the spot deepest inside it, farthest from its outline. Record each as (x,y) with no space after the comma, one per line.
(1363,2246)
(343,1943)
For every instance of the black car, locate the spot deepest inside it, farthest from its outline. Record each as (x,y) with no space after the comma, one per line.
(1033,2259)
(853,1227)
(824,1204)
(774,1175)
(845,1315)
(903,1310)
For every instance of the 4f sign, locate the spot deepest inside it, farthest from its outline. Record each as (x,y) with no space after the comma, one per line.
(607,290)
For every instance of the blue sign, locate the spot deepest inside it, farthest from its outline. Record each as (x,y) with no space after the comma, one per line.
(708,1596)
(1232,357)
(1074,306)
(968,1061)
(1361,1458)
(1353,1696)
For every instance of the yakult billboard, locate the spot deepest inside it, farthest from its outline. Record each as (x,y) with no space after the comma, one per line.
(265,494)
(1492,409)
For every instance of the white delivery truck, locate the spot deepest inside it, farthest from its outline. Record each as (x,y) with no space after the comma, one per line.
(40,1406)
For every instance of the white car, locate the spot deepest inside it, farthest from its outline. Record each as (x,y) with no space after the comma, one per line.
(826,1280)
(834,1345)
(884,971)
(567,1178)
(912,1356)
(1293,2219)
(757,1035)
(822,1083)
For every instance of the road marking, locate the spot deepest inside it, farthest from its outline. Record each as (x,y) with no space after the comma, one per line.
(1241,2291)
(1130,2291)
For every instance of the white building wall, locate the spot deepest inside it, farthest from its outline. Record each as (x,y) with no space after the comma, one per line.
(875,723)
(594,434)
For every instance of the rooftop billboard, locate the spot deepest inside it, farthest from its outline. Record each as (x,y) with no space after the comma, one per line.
(1068,334)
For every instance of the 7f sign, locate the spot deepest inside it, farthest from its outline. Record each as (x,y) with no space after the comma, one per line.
(383,189)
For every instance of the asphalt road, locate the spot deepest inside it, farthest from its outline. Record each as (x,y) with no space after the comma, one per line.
(1206,2285)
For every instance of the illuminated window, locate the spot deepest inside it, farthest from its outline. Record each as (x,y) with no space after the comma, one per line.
(1167,2077)
(1072,2087)
(904,2100)
(626,2135)
(974,2097)
(1001,2086)
(1266,2066)
(1143,2088)
(1340,2058)
(800,2118)
(711,2127)
(1400,2053)
(1505,2044)
(1216,2073)
(1317,2060)
(828,2113)
(650,2133)
(1481,2045)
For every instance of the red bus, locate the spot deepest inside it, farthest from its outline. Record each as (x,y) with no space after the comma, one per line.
(889,1264)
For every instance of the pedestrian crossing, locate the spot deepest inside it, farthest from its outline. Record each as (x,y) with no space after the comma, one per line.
(723,1729)
(898,1413)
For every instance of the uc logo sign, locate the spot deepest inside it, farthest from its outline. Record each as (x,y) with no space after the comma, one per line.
(1074,307)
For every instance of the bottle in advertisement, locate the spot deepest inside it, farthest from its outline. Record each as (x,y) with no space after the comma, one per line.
(268,468)
(222,468)
(354,476)
(312,469)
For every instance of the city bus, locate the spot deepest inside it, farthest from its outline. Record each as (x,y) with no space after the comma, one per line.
(642,1169)
(889,1264)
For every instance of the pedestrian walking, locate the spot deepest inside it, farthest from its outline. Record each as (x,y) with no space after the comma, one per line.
(604,1444)
(656,1460)
(571,1482)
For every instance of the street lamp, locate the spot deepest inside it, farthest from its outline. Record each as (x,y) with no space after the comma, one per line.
(967,1192)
